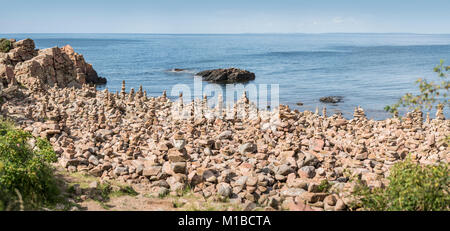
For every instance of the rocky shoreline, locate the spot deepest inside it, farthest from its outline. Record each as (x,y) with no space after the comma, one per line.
(276,160)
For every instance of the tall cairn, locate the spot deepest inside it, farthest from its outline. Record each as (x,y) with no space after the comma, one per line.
(140,93)
(131,95)
(417,118)
(407,122)
(144,96)
(440,112)
(245,98)
(359,113)
(178,155)
(122,91)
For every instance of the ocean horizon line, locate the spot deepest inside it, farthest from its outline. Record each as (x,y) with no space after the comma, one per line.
(244,33)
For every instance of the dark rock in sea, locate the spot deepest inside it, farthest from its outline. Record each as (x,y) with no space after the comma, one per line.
(331,99)
(231,75)
(178,70)
(299,104)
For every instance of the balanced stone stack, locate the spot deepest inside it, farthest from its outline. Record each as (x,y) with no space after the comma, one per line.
(359,113)
(178,155)
(440,112)
(177,163)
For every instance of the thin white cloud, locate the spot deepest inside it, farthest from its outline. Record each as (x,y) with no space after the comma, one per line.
(338,20)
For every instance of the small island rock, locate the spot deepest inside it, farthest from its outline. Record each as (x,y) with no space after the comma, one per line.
(230,75)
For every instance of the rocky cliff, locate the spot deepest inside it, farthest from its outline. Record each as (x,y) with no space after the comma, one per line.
(40,69)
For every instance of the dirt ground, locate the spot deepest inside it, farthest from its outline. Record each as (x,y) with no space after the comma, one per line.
(142,199)
(130,203)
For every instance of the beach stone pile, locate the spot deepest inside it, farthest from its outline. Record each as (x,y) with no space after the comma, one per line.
(278,160)
(44,68)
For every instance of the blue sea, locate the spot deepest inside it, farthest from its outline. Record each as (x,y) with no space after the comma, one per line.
(368,70)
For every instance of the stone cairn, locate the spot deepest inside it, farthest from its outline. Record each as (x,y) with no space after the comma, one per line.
(359,114)
(271,158)
(440,112)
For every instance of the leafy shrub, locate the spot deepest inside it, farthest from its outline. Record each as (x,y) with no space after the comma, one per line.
(431,94)
(25,171)
(5,45)
(412,187)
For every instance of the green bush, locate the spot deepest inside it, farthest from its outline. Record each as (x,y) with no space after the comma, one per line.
(25,172)
(412,187)
(5,45)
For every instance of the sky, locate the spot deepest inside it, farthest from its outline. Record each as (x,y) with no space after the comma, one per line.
(225,16)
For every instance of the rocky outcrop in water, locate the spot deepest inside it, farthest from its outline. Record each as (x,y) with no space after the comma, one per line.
(178,70)
(331,99)
(40,69)
(231,75)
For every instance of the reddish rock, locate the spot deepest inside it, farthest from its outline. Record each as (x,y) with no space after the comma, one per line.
(49,67)
(318,145)
(312,197)
(152,171)
(299,207)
